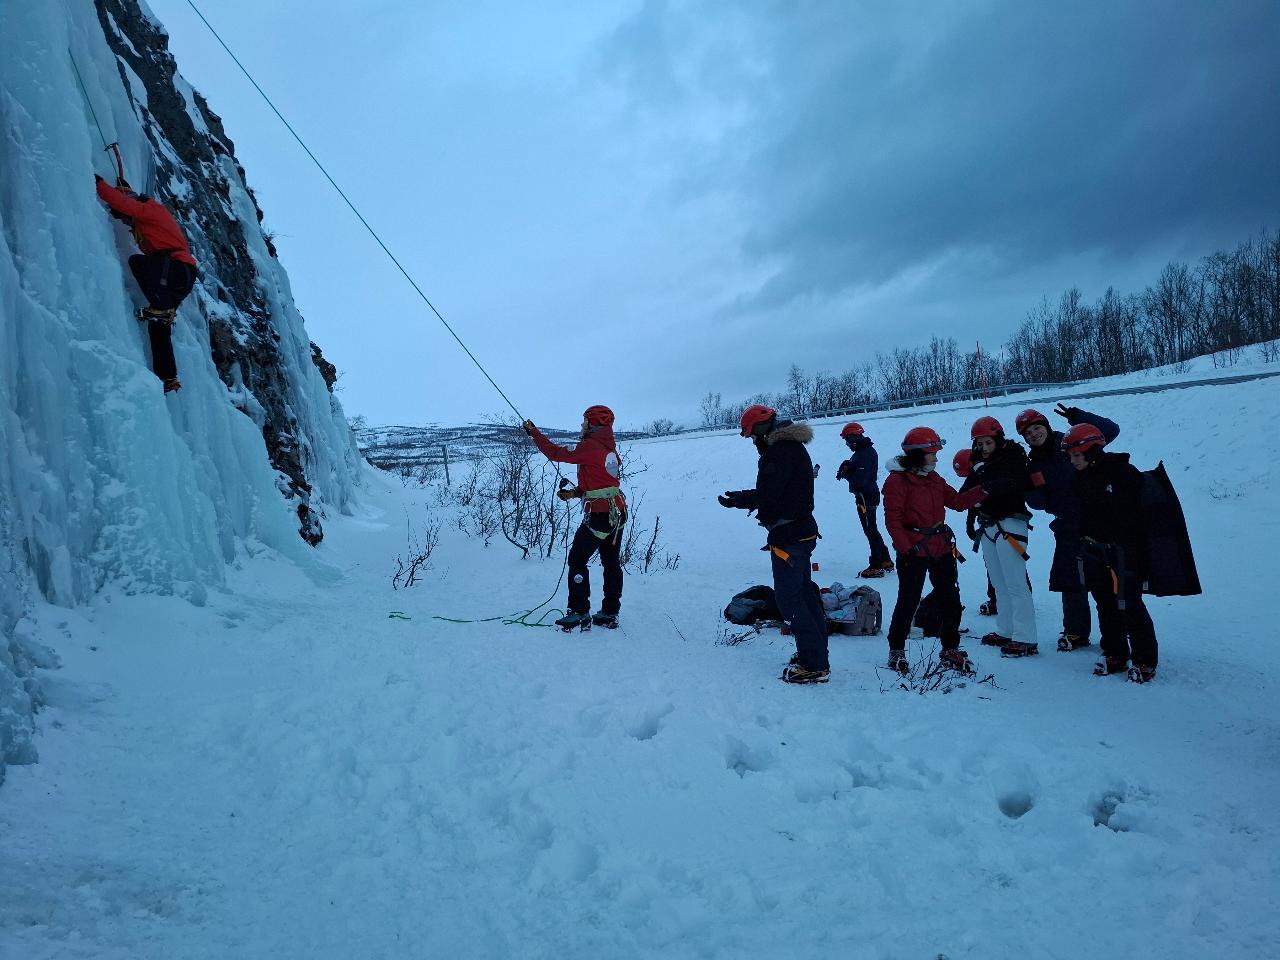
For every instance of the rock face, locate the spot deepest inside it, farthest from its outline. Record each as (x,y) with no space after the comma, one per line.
(244,343)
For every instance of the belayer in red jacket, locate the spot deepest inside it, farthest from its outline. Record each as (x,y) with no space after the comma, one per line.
(916,500)
(165,270)
(604,513)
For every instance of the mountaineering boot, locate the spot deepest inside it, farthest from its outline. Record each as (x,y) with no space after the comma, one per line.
(1141,674)
(887,566)
(994,639)
(871,573)
(988,609)
(1017,648)
(898,662)
(172,385)
(607,620)
(574,621)
(1109,665)
(794,673)
(956,660)
(1071,641)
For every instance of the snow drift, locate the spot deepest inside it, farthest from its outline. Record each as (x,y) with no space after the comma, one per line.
(103,479)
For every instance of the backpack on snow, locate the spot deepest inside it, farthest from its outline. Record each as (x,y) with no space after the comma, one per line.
(1171,564)
(861,616)
(754,603)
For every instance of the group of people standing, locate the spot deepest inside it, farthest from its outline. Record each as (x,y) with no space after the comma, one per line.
(1093,496)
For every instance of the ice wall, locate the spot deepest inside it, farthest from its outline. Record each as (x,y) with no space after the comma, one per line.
(102,477)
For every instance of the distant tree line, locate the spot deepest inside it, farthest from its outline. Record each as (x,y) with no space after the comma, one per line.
(1226,302)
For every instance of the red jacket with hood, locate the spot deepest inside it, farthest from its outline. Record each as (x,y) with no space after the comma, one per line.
(154,227)
(921,500)
(596,457)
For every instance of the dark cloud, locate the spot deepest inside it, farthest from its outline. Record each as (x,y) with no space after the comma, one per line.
(888,137)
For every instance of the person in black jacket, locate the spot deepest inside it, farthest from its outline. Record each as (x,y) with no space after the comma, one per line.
(1002,525)
(1113,552)
(861,472)
(783,502)
(1052,489)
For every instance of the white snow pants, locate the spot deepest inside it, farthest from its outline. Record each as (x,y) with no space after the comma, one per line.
(1015,611)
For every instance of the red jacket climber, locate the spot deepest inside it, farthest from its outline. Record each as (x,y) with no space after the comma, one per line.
(165,270)
(599,470)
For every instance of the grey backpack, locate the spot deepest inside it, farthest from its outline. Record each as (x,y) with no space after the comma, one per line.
(861,616)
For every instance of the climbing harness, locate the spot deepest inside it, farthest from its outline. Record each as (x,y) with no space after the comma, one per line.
(1016,541)
(938,530)
(1102,552)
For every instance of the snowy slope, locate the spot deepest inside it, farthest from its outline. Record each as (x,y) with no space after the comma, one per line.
(102,479)
(388,788)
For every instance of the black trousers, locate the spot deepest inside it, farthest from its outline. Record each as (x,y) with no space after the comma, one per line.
(801,604)
(943,575)
(879,552)
(1126,634)
(165,283)
(584,547)
(1076,618)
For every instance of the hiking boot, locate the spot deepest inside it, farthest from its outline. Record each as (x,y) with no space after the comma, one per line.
(871,573)
(956,660)
(898,662)
(607,620)
(172,385)
(1141,674)
(574,621)
(795,673)
(995,640)
(1017,648)
(887,566)
(1109,665)
(988,608)
(1071,641)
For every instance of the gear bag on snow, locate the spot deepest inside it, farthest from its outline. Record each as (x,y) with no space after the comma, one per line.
(929,615)
(1171,565)
(858,612)
(754,603)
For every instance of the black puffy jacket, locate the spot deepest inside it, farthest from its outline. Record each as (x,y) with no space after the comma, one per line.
(783,496)
(1004,473)
(1110,492)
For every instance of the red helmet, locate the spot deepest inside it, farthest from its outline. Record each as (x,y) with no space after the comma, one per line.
(922,438)
(755,415)
(962,462)
(598,416)
(1029,417)
(851,430)
(986,427)
(1082,437)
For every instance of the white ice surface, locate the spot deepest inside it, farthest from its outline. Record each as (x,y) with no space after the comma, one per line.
(287,772)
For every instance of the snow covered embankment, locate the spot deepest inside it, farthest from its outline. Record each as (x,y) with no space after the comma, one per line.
(101,477)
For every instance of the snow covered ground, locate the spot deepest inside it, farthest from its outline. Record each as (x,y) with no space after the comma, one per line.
(287,772)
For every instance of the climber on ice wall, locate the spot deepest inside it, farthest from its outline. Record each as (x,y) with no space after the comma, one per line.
(165,270)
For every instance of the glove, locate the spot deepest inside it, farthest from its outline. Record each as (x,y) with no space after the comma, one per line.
(1072,414)
(841,469)
(1036,478)
(733,500)
(97,179)
(569,493)
(528,427)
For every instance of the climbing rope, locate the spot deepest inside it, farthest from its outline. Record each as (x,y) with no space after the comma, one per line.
(359,216)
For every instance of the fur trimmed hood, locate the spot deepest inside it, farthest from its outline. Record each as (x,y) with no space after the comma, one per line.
(801,432)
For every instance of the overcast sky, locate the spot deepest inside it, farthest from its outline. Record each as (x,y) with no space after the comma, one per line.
(634,203)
